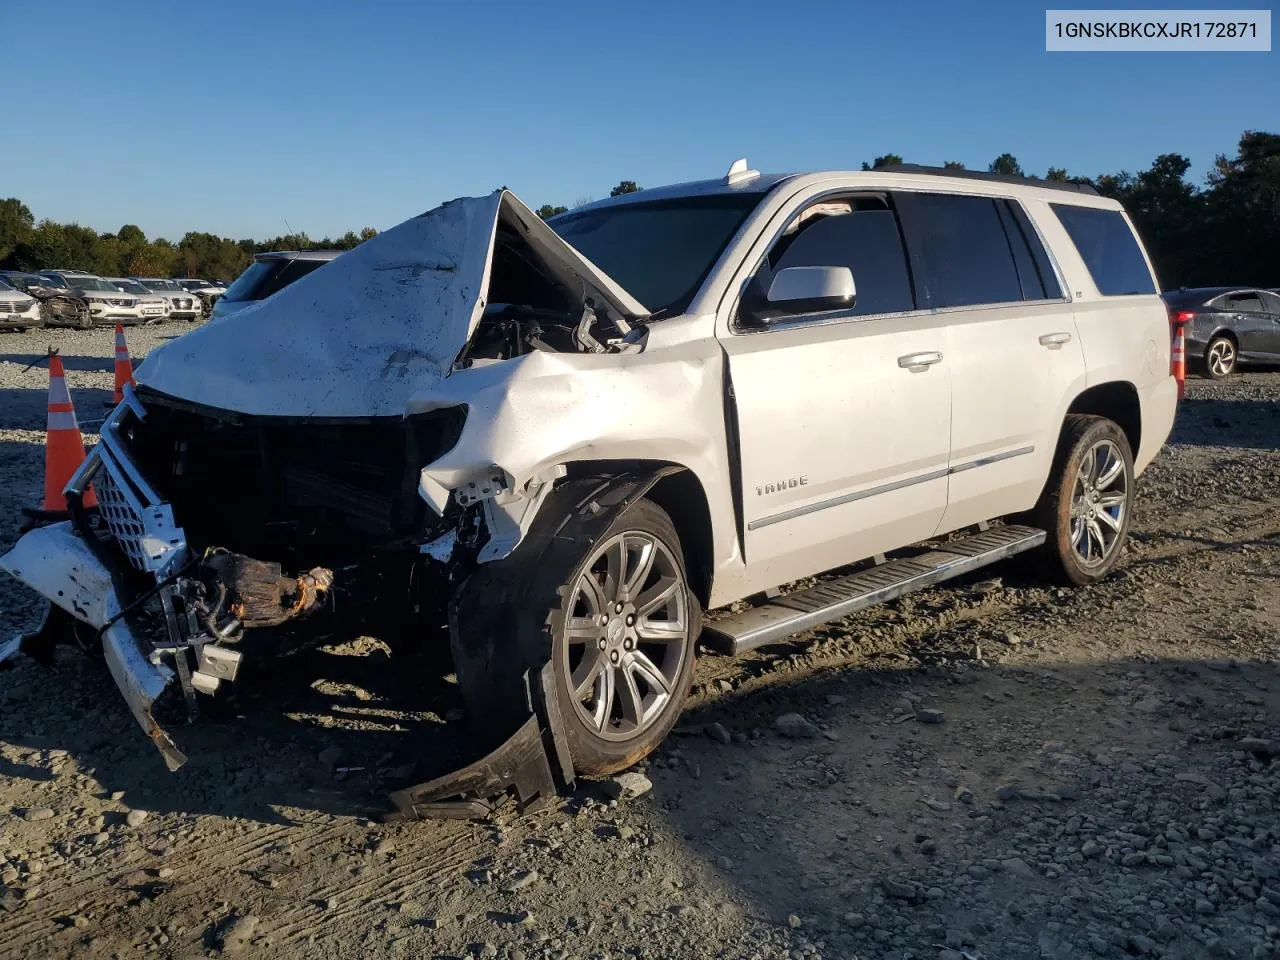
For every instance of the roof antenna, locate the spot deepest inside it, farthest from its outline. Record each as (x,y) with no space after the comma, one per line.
(738,172)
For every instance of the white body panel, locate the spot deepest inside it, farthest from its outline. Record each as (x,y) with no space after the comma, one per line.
(813,403)
(1013,370)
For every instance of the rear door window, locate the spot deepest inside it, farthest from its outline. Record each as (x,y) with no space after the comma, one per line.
(1109,249)
(1244,303)
(966,250)
(1270,302)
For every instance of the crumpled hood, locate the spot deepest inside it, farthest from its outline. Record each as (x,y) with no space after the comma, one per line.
(358,337)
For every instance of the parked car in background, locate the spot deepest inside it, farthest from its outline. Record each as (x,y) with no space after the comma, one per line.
(153,307)
(107,304)
(1227,326)
(18,309)
(268,273)
(183,304)
(208,293)
(60,305)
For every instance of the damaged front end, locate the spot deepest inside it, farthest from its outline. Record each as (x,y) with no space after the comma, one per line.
(270,475)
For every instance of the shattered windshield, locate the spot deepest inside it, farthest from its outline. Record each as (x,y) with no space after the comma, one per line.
(660,251)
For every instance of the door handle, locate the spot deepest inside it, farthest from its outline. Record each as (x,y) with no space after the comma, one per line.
(926,359)
(1054,340)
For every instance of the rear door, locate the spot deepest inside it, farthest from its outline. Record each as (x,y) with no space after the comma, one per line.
(1011,341)
(1250,322)
(1271,337)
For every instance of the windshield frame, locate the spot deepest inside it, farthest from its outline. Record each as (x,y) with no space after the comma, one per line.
(744,202)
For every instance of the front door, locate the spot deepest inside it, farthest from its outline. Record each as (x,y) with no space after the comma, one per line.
(843,417)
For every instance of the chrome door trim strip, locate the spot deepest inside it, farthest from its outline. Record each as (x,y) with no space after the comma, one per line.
(993,458)
(844,498)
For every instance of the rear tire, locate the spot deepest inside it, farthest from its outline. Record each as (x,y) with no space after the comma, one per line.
(1088,501)
(621,676)
(1220,358)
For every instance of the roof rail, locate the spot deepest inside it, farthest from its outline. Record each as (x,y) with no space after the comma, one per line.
(998,177)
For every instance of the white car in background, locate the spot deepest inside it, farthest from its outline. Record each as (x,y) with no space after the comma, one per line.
(209,293)
(183,304)
(107,303)
(18,310)
(153,307)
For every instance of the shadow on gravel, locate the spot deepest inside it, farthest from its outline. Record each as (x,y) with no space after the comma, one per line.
(1250,424)
(89,364)
(917,805)
(322,731)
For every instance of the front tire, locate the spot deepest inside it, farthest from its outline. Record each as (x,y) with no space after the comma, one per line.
(614,615)
(1087,504)
(1220,358)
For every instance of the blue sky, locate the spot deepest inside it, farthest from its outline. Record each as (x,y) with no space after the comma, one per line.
(236,117)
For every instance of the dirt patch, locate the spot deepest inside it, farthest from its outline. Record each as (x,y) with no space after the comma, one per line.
(995,768)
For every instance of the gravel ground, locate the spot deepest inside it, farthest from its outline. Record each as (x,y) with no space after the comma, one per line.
(993,769)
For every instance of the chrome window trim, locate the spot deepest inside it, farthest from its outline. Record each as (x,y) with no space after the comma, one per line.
(838,501)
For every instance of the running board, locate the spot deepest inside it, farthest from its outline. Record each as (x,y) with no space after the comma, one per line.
(805,609)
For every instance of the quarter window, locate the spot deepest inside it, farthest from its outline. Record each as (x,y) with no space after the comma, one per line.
(967,251)
(1109,249)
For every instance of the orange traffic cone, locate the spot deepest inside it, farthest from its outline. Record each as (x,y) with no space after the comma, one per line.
(64,447)
(124,366)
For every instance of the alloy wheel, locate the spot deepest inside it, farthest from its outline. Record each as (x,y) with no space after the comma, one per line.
(1222,358)
(626,635)
(1099,500)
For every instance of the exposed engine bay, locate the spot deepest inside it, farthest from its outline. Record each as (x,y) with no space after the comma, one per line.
(530,308)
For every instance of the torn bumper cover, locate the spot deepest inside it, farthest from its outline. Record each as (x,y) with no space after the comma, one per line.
(531,767)
(58,564)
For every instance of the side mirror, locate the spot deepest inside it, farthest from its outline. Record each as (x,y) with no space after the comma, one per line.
(800,290)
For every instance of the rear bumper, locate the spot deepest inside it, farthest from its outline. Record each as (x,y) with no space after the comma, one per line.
(1159,404)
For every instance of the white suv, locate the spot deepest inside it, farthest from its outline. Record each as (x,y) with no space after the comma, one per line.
(575,437)
(183,304)
(108,304)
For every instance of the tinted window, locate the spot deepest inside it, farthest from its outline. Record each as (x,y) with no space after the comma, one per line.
(659,251)
(1044,266)
(1028,275)
(965,248)
(1244,302)
(868,242)
(265,277)
(1108,248)
(1270,302)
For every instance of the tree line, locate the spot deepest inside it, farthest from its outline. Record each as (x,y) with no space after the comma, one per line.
(47,245)
(1224,231)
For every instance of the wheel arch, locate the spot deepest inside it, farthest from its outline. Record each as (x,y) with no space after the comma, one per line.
(677,490)
(1118,401)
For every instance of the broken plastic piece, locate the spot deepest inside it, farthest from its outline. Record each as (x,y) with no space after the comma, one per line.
(533,765)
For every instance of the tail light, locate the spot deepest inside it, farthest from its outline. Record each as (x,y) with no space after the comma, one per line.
(1178,321)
